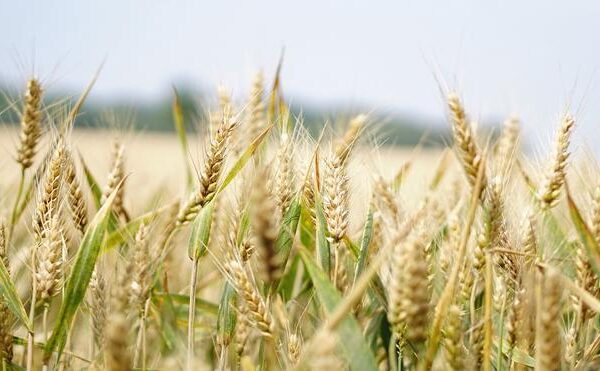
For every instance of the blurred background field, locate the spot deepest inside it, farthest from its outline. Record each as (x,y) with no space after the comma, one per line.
(147,151)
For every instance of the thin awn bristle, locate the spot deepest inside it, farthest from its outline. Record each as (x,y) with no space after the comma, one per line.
(348,141)
(31,124)
(508,144)
(549,191)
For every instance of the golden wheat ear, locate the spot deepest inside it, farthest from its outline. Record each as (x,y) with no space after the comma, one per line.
(76,198)
(31,124)
(209,178)
(116,175)
(97,302)
(464,139)
(548,339)
(117,355)
(49,191)
(258,313)
(549,191)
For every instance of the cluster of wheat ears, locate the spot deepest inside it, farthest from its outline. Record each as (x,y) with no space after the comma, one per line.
(260,267)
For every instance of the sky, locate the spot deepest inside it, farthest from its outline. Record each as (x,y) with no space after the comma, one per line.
(533,58)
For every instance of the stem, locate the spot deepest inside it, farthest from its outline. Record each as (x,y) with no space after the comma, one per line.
(92,349)
(13,215)
(31,333)
(45,331)
(501,330)
(144,315)
(192,314)
(141,339)
(487,319)
(448,291)
(222,358)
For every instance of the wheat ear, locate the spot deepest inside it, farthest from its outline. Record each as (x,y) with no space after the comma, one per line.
(48,270)
(49,192)
(209,178)
(256,107)
(453,346)
(97,304)
(347,142)
(549,191)
(548,346)
(464,139)
(335,199)
(31,124)
(284,178)
(116,336)
(257,310)
(116,175)
(265,229)
(77,203)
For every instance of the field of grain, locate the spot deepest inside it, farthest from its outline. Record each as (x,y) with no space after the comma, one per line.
(252,246)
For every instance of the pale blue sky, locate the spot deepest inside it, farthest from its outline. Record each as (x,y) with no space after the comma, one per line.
(527,57)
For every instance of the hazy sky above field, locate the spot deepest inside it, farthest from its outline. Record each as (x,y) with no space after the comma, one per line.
(532,58)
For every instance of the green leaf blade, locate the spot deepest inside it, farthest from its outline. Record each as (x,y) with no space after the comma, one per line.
(356,349)
(80,276)
(8,292)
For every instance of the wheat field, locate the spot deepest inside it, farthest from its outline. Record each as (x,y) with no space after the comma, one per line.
(250,245)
